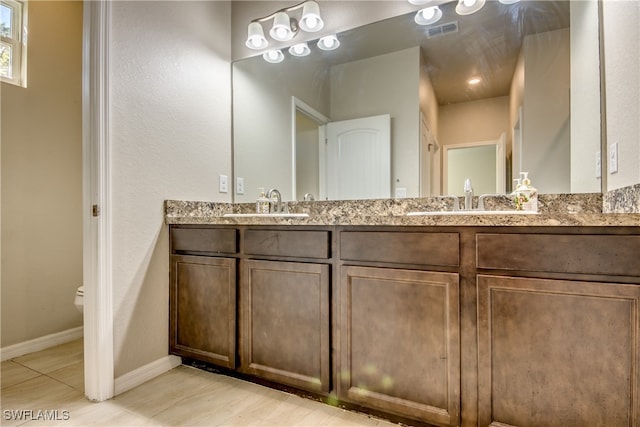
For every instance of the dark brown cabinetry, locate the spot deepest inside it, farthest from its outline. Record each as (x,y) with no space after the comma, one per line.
(400,348)
(203,309)
(559,351)
(285,323)
(399,328)
(450,326)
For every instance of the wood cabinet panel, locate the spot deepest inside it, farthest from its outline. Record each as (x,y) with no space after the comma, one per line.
(580,254)
(213,240)
(437,249)
(288,243)
(400,342)
(203,309)
(557,353)
(285,323)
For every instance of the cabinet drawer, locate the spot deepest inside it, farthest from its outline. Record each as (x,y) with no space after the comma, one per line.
(290,243)
(579,254)
(442,249)
(204,240)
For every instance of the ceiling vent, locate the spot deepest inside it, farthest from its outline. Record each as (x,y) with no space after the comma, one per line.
(441,30)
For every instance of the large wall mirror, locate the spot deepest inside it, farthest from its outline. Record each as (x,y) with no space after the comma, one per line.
(524,76)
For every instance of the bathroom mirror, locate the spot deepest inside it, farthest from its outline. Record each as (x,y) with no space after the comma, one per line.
(538,68)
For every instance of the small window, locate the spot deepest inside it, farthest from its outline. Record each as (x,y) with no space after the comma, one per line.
(13,42)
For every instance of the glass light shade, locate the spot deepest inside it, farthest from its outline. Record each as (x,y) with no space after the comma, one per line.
(281,29)
(256,38)
(419,2)
(428,16)
(273,56)
(508,1)
(329,42)
(300,49)
(467,7)
(311,20)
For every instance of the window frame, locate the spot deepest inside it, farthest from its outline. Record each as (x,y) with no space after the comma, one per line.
(18,42)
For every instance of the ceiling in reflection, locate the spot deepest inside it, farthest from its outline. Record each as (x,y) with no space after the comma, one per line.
(485,44)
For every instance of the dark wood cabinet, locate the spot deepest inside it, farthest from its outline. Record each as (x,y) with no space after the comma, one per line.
(557,352)
(450,326)
(203,309)
(285,323)
(400,344)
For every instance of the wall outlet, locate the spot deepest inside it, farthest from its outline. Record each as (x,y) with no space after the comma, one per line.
(223,184)
(401,192)
(239,185)
(613,158)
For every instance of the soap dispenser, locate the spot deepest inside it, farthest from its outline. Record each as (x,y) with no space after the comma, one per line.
(531,203)
(262,204)
(517,196)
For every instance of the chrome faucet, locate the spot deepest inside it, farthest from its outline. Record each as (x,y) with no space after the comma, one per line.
(468,195)
(309,197)
(274,206)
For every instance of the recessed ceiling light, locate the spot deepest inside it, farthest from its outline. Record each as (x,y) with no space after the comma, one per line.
(474,80)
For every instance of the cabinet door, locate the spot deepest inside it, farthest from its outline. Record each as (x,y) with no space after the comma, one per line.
(285,323)
(203,309)
(400,342)
(557,353)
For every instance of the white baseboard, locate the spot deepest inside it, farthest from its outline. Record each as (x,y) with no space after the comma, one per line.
(145,373)
(37,344)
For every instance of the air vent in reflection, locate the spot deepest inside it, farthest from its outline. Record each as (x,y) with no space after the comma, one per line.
(441,30)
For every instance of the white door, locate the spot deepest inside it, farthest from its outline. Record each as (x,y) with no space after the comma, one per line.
(358,159)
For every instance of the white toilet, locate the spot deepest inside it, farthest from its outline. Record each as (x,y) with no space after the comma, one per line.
(79,300)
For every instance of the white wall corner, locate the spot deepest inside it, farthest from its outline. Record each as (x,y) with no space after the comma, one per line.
(145,373)
(37,344)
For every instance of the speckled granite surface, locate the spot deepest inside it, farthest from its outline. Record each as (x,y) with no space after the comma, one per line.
(555,210)
(622,200)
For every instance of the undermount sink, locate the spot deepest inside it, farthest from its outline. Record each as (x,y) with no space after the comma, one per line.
(471,212)
(269,215)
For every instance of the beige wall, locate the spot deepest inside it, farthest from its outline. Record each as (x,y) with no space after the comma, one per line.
(385,84)
(42,179)
(170,131)
(622,64)
(546,153)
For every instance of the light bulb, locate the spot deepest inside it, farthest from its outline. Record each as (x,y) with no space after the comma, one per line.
(469,3)
(282,33)
(428,13)
(298,49)
(273,54)
(312,22)
(255,42)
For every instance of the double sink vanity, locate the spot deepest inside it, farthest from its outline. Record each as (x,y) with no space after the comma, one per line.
(447,319)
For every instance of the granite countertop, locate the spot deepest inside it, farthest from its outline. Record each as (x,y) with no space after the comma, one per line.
(554,210)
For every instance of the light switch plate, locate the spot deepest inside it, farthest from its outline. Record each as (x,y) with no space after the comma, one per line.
(223,184)
(613,158)
(401,192)
(239,185)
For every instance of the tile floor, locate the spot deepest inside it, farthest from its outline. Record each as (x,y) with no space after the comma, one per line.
(52,380)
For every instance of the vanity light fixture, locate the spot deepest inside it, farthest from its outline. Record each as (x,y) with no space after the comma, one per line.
(467,7)
(300,49)
(256,38)
(285,26)
(419,2)
(329,42)
(273,56)
(428,16)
